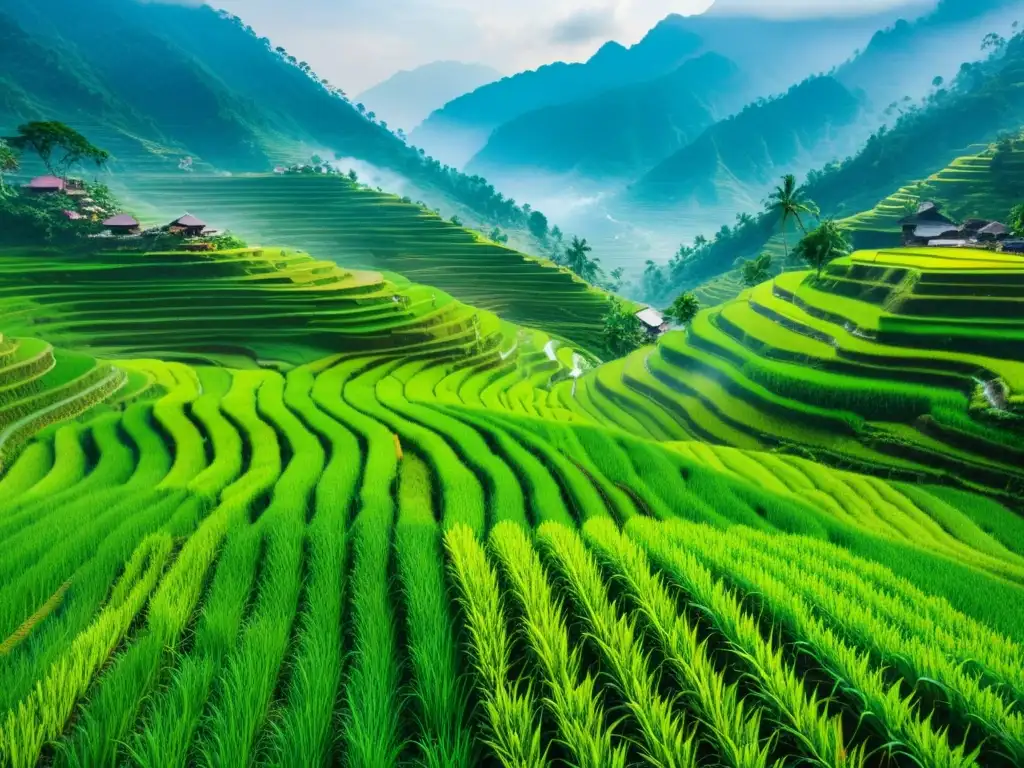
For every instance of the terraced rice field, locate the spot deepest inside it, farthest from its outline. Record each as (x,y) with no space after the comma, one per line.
(332,218)
(967,188)
(325,517)
(904,363)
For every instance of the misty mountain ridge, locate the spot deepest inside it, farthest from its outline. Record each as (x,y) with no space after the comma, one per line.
(463,127)
(639,125)
(407,98)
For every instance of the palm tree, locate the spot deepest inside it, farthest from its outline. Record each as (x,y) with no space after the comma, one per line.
(789,201)
(576,256)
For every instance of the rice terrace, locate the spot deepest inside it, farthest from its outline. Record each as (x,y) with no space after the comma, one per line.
(345,458)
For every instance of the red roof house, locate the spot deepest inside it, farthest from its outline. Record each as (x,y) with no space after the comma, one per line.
(122,224)
(46,184)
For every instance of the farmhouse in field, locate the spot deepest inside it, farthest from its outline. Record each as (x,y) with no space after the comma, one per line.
(1013,246)
(187,226)
(122,224)
(652,321)
(46,185)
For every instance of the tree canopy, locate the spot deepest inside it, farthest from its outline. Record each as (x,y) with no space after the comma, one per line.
(683,309)
(577,259)
(821,245)
(59,146)
(8,161)
(623,331)
(756,271)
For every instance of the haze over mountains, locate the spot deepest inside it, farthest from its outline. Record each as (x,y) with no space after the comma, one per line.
(408,97)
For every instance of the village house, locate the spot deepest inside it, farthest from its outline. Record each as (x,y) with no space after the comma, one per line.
(122,224)
(46,185)
(929,226)
(187,226)
(1013,246)
(652,321)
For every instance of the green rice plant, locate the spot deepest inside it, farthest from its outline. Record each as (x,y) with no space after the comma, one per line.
(879,702)
(31,466)
(541,490)
(189,456)
(303,731)
(40,718)
(512,720)
(916,658)
(226,441)
(246,685)
(573,701)
(932,619)
(370,725)
(803,718)
(142,513)
(69,464)
(666,743)
(733,729)
(444,736)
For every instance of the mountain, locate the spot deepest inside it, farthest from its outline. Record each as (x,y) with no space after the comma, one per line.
(619,132)
(406,98)
(154,82)
(756,46)
(738,157)
(905,58)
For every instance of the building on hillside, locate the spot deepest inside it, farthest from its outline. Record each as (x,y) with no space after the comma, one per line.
(928,223)
(122,224)
(46,185)
(993,231)
(187,226)
(1013,246)
(652,321)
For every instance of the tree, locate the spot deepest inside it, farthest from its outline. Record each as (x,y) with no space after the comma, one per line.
(756,271)
(8,162)
(616,279)
(1016,221)
(683,309)
(823,244)
(361,108)
(938,81)
(789,201)
(623,331)
(538,224)
(576,256)
(993,42)
(59,146)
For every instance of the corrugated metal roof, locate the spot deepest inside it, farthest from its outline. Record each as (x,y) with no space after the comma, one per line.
(650,317)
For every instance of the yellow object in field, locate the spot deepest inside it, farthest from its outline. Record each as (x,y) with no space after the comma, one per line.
(398,447)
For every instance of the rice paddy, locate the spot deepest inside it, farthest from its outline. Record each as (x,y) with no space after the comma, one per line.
(259,509)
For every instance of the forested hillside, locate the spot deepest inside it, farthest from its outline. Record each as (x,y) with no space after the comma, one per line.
(154,83)
(734,159)
(620,132)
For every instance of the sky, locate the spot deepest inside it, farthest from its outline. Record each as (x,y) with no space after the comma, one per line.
(358,43)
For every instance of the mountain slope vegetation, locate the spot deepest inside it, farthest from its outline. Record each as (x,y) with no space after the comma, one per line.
(736,158)
(639,125)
